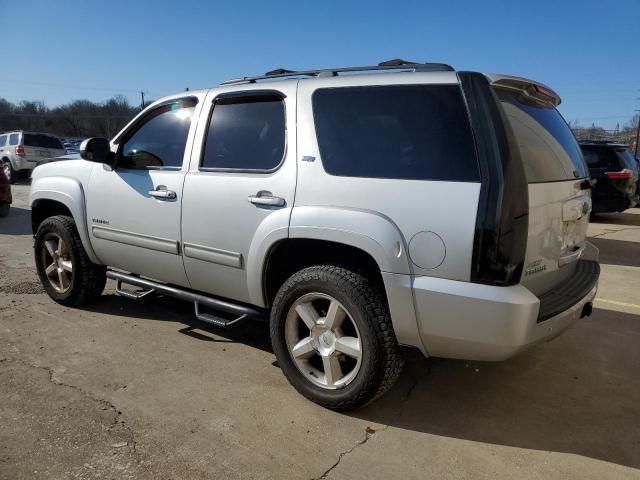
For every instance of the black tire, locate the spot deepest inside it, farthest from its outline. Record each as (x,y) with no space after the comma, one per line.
(88,279)
(4,209)
(381,360)
(12,174)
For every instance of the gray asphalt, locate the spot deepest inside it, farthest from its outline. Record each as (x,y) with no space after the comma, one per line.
(141,390)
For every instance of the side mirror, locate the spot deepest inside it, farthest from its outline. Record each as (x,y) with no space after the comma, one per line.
(96,150)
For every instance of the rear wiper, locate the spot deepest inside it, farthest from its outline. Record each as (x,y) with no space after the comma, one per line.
(587,183)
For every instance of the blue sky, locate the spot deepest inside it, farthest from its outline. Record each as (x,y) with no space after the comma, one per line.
(588,51)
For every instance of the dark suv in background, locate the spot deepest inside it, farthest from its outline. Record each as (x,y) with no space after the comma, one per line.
(616,172)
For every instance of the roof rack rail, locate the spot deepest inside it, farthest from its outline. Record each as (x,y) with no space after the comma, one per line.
(395,64)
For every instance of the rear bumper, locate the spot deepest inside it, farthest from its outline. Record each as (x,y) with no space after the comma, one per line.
(22,163)
(482,322)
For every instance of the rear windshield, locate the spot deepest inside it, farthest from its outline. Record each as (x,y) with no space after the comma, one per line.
(42,141)
(417,132)
(549,150)
(609,158)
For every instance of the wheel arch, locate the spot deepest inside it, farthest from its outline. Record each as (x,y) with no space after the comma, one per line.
(61,196)
(360,240)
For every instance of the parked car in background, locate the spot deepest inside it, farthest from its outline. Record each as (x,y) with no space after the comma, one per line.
(616,173)
(5,195)
(20,151)
(71,145)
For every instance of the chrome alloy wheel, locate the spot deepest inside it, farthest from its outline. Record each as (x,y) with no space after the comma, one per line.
(59,268)
(323,340)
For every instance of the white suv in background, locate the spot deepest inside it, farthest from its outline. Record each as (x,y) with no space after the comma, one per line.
(359,209)
(21,151)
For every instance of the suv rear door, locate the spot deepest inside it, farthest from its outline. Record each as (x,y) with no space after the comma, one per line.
(240,185)
(559,199)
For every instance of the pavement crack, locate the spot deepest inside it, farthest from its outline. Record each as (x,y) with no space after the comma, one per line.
(369,432)
(105,403)
(610,232)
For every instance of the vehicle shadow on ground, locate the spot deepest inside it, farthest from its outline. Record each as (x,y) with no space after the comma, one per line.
(617,252)
(165,309)
(630,219)
(578,394)
(17,223)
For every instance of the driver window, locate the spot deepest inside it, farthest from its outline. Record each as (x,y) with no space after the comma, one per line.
(160,140)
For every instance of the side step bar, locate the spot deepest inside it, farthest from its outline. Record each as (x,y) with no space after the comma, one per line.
(241,313)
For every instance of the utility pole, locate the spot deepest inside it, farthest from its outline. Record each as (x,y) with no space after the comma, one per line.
(142,104)
(637,134)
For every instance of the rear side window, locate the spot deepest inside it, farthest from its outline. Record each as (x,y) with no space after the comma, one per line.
(413,132)
(245,133)
(547,146)
(14,138)
(627,159)
(41,141)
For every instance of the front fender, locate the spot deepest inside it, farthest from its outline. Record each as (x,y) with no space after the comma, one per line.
(69,192)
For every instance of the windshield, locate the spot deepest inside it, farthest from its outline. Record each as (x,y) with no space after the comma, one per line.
(548,148)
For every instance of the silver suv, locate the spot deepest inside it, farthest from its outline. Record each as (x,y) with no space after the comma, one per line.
(21,151)
(359,209)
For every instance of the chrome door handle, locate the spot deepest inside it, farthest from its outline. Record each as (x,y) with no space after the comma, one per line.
(162,193)
(266,199)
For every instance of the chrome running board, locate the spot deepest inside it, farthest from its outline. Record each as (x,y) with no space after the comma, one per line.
(240,313)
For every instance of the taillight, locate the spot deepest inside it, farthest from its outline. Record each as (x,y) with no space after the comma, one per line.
(547,92)
(625,174)
(20,151)
(502,221)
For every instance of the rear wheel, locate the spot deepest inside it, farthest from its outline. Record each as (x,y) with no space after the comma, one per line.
(332,336)
(9,172)
(64,268)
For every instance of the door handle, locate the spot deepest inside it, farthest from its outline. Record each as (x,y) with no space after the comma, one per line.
(266,199)
(162,193)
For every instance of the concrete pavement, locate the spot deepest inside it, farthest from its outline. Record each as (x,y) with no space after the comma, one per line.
(142,390)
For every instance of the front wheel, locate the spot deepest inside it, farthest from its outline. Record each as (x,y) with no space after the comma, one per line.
(333,339)
(64,268)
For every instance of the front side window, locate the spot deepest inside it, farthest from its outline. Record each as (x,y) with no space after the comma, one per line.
(159,142)
(245,133)
(14,138)
(413,132)
(3,140)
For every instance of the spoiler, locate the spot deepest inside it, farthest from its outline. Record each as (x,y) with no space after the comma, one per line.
(533,90)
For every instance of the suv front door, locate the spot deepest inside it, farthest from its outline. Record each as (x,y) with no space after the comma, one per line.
(134,209)
(240,187)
